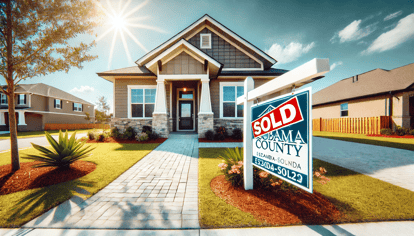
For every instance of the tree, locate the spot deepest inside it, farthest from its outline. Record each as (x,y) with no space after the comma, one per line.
(87,116)
(34,39)
(103,106)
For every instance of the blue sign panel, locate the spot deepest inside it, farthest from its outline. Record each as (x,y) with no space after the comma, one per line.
(282,143)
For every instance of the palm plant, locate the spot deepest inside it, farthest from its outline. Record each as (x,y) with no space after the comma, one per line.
(63,153)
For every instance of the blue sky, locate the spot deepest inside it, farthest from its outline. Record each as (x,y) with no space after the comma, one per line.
(356,36)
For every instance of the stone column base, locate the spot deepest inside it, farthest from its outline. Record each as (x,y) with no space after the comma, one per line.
(160,124)
(205,122)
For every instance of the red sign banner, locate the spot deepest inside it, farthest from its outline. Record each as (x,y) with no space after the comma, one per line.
(285,114)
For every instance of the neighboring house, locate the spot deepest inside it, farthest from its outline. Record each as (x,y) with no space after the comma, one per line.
(190,82)
(374,93)
(38,104)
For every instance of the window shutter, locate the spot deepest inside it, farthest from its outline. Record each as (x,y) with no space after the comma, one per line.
(61,104)
(54,103)
(25,96)
(73,106)
(18,99)
(82,107)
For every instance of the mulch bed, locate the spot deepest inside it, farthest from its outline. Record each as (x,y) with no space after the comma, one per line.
(28,178)
(112,140)
(227,140)
(390,136)
(278,208)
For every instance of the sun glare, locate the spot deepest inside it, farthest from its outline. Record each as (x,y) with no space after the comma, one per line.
(120,21)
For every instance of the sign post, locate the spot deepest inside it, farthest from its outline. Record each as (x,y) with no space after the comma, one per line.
(247,137)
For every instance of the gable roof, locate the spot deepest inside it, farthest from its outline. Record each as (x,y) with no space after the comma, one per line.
(369,83)
(203,20)
(48,91)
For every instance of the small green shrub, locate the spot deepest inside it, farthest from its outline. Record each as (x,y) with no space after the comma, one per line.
(100,137)
(401,131)
(386,131)
(153,136)
(237,134)
(146,129)
(115,133)
(219,136)
(129,134)
(64,152)
(221,130)
(142,137)
(412,132)
(91,134)
(209,135)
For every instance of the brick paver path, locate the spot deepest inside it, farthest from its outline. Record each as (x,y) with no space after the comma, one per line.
(159,192)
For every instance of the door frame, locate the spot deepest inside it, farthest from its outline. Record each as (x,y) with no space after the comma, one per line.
(178,108)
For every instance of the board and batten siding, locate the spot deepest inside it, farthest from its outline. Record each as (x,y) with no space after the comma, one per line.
(183,64)
(121,94)
(224,52)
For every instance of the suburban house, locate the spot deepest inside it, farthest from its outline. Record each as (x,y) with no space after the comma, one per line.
(374,93)
(38,104)
(190,82)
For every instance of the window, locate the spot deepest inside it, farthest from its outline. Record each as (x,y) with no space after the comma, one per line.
(344,109)
(77,107)
(21,99)
(141,101)
(229,92)
(205,41)
(3,99)
(58,104)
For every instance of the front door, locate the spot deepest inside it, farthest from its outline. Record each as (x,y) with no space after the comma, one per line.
(185,115)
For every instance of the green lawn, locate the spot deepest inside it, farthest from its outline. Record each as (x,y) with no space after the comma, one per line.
(41,133)
(402,143)
(112,160)
(360,197)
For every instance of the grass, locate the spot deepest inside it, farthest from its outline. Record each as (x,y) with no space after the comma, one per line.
(360,197)
(402,143)
(41,133)
(112,159)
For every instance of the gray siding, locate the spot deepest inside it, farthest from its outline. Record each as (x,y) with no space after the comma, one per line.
(121,94)
(224,52)
(183,64)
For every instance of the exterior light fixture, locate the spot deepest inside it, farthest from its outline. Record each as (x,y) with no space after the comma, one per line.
(185,89)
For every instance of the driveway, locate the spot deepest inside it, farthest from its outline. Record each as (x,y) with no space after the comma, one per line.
(392,165)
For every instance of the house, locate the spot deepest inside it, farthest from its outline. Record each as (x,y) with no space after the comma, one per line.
(38,104)
(377,92)
(190,82)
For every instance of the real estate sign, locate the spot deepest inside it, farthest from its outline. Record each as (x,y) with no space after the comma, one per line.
(282,138)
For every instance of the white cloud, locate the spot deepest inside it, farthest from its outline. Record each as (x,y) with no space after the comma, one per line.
(403,32)
(354,32)
(82,89)
(289,53)
(393,15)
(335,64)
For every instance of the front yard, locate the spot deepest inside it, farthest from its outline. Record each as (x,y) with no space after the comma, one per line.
(42,133)
(111,159)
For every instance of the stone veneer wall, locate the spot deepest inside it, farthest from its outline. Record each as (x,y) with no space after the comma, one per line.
(136,124)
(229,124)
(205,122)
(160,124)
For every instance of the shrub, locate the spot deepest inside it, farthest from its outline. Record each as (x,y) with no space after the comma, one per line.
(115,133)
(221,130)
(237,134)
(209,135)
(64,152)
(146,129)
(91,134)
(412,132)
(401,131)
(219,136)
(386,131)
(100,137)
(142,137)
(233,166)
(129,134)
(153,136)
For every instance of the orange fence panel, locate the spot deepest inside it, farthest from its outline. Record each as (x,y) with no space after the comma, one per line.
(360,125)
(52,126)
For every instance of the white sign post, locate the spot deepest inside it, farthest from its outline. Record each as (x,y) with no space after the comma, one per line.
(302,74)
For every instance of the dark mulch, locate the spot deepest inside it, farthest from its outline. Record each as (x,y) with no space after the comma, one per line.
(227,140)
(29,178)
(390,136)
(278,208)
(112,140)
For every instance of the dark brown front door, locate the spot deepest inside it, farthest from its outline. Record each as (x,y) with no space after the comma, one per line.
(185,115)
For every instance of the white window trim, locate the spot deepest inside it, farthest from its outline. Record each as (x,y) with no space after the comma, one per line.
(222,84)
(60,104)
(201,41)
(129,99)
(18,98)
(2,99)
(340,108)
(77,109)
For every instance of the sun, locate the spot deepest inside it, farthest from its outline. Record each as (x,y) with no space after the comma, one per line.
(119,22)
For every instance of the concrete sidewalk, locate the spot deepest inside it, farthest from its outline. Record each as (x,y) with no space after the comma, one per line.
(366,229)
(159,192)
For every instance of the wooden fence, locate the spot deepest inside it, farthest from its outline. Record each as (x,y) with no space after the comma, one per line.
(363,125)
(51,126)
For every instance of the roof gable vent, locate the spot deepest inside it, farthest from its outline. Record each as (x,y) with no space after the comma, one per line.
(355,79)
(205,41)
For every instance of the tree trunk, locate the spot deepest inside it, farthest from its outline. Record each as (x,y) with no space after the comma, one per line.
(10,90)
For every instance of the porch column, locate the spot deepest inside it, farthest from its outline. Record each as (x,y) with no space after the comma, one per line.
(22,119)
(2,122)
(205,116)
(159,116)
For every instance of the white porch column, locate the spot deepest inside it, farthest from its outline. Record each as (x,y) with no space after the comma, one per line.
(205,103)
(2,122)
(22,119)
(160,99)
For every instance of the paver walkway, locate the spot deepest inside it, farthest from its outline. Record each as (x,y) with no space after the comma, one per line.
(221,145)
(392,165)
(159,192)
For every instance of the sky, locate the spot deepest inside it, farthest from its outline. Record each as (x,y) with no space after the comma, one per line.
(356,36)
